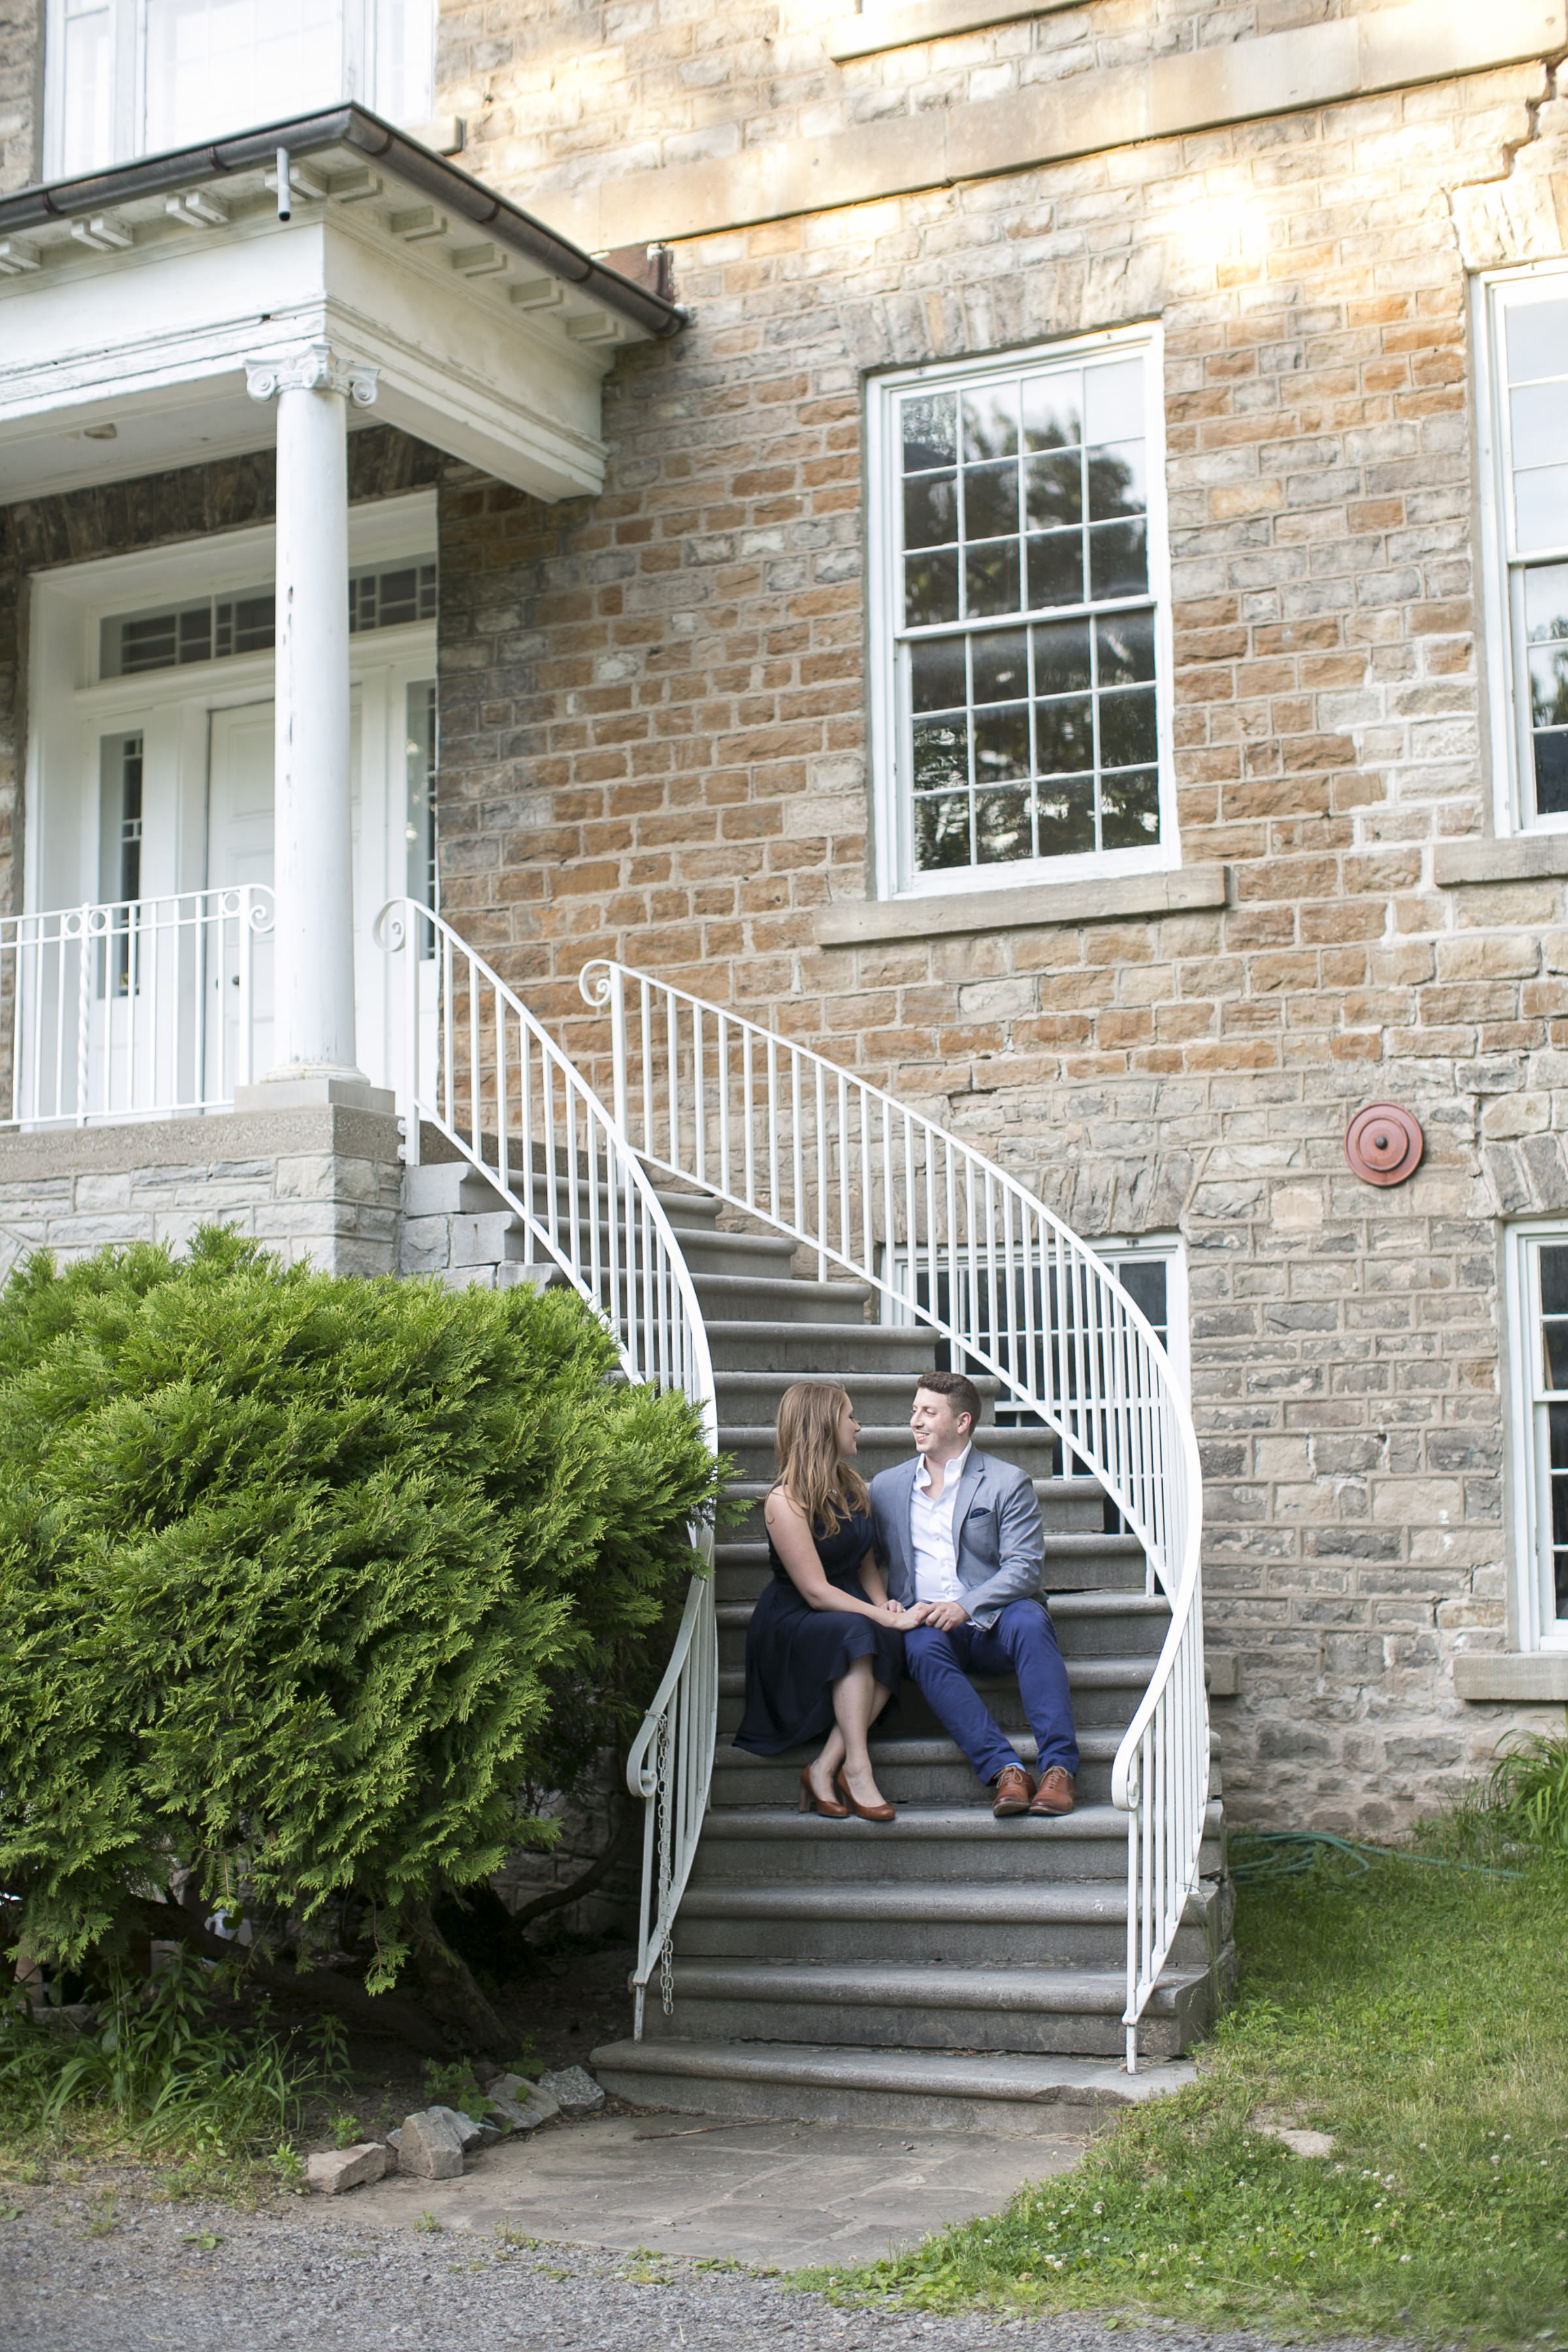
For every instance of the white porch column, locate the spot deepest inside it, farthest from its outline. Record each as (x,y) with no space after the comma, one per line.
(313,869)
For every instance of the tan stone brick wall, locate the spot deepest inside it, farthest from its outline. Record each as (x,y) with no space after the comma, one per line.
(323,1185)
(655,744)
(553,93)
(21,92)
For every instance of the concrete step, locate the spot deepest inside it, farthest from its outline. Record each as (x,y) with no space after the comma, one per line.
(446,1186)
(707,1251)
(907,2090)
(1088,1626)
(749,1298)
(1014,1924)
(1075,1562)
(944,1842)
(1073,2011)
(1105,1695)
(823,1351)
(448,1189)
(914,1768)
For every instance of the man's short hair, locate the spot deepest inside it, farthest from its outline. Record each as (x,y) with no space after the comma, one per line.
(959,1388)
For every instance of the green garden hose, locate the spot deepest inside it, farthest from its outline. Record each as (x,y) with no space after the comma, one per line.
(1290,1854)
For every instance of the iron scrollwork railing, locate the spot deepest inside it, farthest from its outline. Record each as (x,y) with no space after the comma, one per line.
(873,1189)
(476,1065)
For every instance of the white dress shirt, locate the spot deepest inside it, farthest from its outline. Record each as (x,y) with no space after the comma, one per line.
(930,1532)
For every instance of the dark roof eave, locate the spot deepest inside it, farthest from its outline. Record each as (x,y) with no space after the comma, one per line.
(348,126)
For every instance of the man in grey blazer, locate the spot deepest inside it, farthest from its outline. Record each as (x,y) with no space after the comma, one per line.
(960,1532)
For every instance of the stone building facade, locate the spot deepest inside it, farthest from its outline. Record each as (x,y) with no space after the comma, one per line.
(659,734)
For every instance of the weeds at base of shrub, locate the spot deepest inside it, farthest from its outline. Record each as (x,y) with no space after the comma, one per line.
(455,2086)
(160,2076)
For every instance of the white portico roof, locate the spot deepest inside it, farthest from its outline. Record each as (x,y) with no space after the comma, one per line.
(132,302)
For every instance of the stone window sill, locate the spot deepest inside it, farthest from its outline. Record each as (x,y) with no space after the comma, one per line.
(1517,857)
(1539,1675)
(861,922)
(875,29)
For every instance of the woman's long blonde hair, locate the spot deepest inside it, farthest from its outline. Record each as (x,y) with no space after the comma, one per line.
(822,1487)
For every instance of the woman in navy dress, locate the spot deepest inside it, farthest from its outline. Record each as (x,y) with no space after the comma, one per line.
(824,1650)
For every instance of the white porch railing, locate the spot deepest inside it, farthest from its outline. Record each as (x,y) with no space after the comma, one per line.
(485,1074)
(148,1008)
(873,1188)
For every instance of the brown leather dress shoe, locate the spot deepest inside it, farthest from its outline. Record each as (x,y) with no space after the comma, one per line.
(1014,1790)
(1055,1794)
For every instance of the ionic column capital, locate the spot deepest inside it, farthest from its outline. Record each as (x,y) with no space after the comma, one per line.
(317,367)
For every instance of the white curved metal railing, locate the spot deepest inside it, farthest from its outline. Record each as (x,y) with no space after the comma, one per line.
(874,1189)
(479,1067)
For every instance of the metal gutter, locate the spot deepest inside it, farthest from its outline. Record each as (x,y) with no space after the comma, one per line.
(367,134)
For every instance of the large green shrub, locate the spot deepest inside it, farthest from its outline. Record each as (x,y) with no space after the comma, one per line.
(300,1578)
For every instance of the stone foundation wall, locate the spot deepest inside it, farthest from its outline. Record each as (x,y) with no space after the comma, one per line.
(324,1185)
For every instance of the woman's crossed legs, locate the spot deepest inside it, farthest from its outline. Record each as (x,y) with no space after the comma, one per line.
(859,1699)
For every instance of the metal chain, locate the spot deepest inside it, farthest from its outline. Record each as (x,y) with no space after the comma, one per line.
(663,1923)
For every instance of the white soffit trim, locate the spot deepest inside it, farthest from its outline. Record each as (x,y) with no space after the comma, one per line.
(124,334)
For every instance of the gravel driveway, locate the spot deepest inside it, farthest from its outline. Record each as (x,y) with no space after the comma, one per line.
(149,2277)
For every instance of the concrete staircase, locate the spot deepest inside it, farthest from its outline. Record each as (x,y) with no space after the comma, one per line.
(945,1969)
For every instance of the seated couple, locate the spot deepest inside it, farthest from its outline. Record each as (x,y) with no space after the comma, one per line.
(937,1569)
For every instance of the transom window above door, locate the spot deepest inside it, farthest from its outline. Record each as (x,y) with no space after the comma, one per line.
(129,77)
(214,628)
(1019,602)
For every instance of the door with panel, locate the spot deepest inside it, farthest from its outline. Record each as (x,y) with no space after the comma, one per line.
(239,856)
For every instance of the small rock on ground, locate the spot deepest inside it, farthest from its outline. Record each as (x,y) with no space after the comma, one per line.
(574,2090)
(346,2167)
(430,2145)
(522,2103)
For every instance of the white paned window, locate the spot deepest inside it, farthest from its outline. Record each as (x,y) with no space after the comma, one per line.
(129,77)
(1537,1275)
(1522,378)
(1020,620)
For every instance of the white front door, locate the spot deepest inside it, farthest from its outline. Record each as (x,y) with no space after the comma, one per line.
(239,852)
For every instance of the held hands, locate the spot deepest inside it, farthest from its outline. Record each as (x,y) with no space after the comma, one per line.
(903,1620)
(945,1614)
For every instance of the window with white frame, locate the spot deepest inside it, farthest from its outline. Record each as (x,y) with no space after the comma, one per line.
(128,78)
(1537,1287)
(1020,616)
(1522,378)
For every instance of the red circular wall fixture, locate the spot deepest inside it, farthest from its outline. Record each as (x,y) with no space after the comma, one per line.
(1383,1144)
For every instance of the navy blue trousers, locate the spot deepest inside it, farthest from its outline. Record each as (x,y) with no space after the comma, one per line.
(1023,1642)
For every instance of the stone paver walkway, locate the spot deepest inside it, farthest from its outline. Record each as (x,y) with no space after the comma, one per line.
(788,2195)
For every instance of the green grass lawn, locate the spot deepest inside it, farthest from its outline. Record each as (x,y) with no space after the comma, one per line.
(1417,2014)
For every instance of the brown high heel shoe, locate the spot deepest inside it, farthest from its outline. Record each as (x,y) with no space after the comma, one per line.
(883,1813)
(810,1802)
